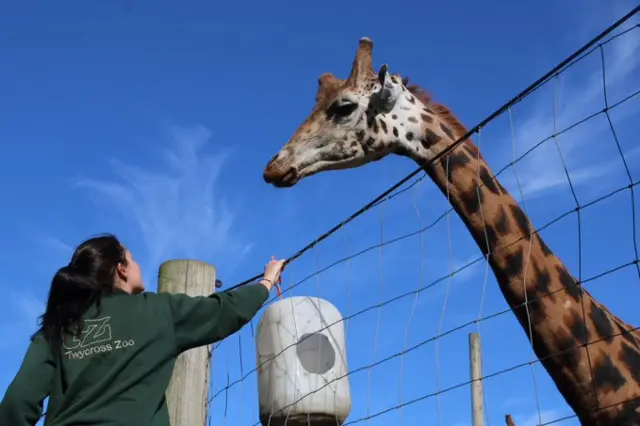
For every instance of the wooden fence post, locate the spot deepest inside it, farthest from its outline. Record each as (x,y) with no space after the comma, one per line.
(188,391)
(477,397)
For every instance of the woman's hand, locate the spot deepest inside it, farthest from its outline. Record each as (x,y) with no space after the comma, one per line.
(272,271)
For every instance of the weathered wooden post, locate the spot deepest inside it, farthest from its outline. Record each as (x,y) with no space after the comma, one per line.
(477,396)
(188,392)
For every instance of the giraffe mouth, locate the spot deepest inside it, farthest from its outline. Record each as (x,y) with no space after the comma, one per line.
(289,179)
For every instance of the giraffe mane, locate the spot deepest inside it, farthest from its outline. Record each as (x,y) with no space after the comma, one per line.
(439,109)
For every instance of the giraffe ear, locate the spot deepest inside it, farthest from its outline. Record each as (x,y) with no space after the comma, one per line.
(389,90)
(383,72)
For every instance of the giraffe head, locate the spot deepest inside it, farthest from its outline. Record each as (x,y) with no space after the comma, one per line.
(354,121)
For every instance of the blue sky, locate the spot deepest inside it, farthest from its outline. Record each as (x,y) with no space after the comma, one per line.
(154,121)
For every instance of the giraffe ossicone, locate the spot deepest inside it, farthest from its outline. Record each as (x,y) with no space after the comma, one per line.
(592,356)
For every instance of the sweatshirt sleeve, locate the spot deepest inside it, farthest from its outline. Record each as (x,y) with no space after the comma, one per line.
(202,320)
(23,401)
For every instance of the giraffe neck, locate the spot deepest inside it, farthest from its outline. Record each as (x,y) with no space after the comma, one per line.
(557,315)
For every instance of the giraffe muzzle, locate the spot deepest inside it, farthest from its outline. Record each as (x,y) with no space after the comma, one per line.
(280,180)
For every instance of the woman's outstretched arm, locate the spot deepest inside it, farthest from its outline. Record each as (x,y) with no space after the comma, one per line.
(203,320)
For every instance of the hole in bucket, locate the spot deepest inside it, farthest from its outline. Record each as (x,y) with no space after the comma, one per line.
(316,353)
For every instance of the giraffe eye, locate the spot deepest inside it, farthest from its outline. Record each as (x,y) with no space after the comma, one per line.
(341,110)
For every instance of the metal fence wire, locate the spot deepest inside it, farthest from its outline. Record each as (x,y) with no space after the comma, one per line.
(400,338)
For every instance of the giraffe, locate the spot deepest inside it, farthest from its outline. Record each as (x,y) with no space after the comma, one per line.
(373,114)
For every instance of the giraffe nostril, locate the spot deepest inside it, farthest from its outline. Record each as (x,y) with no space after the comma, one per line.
(274,158)
(289,176)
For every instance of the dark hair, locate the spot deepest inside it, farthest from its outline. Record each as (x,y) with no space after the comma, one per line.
(76,287)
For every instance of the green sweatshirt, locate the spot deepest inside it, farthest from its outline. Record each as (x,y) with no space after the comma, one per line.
(117,373)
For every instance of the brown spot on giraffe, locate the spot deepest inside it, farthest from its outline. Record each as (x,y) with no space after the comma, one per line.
(575,323)
(383,126)
(426,118)
(447,131)
(502,225)
(595,370)
(453,162)
(569,283)
(513,266)
(521,221)
(472,150)
(631,359)
(491,240)
(430,139)
(543,246)
(628,335)
(607,375)
(603,328)
(488,180)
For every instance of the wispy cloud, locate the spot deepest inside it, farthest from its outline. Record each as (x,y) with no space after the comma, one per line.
(180,210)
(466,268)
(29,308)
(49,241)
(56,244)
(574,96)
(25,310)
(451,275)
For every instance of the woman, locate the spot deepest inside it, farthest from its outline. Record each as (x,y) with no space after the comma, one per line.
(105,350)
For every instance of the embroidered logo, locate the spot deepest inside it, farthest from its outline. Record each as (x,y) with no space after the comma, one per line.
(96,337)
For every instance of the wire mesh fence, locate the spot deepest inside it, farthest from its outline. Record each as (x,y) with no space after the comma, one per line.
(411,284)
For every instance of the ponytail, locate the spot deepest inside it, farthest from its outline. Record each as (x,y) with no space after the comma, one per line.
(71,294)
(76,287)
